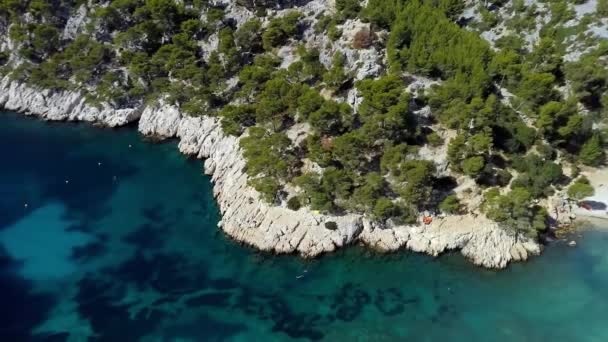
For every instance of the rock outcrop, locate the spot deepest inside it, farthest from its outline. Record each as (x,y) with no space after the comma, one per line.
(76,23)
(61,106)
(246,218)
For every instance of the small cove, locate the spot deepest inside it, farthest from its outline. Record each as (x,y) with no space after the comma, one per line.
(119,242)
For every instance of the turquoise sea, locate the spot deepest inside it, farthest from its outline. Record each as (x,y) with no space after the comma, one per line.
(106,237)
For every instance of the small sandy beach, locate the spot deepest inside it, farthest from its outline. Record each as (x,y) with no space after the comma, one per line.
(599,180)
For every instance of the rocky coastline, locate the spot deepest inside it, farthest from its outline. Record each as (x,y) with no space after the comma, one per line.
(245,217)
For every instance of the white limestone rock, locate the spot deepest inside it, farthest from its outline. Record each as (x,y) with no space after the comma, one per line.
(161,121)
(75,23)
(190,142)
(238,13)
(60,105)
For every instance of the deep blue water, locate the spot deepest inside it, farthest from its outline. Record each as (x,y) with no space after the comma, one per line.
(118,242)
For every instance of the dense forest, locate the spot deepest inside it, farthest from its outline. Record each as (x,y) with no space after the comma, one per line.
(512,115)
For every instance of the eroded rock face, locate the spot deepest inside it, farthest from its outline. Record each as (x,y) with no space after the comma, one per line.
(246,218)
(61,105)
(478,238)
(161,121)
(76,23)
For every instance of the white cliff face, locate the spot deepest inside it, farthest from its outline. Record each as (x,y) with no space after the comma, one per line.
(478,238)
(60,105)
(161,121)
(246,218)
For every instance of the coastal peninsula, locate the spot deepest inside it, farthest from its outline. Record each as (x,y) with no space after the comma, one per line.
(426,125)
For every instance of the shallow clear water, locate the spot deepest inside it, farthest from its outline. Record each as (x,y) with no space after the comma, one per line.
(118,242)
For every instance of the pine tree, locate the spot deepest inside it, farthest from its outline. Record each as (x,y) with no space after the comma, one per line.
(592,152)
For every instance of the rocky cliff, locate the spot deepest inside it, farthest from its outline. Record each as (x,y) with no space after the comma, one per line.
(58,106)
(274,228)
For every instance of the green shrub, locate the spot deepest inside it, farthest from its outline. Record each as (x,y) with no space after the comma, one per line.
(580,189)
(382,12)
(450,204)
(472,166)
(236,118)
(536,175)
(294,203)
(248,37)
(385,208)
(333,32)
(267,187)
(280,29)
(423,40)
(602,8)
(335,77)
(267,154)
(45,39)
(592,152)
(331,225)
(434,139)
(515,211)
(4,56)
(348,8)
